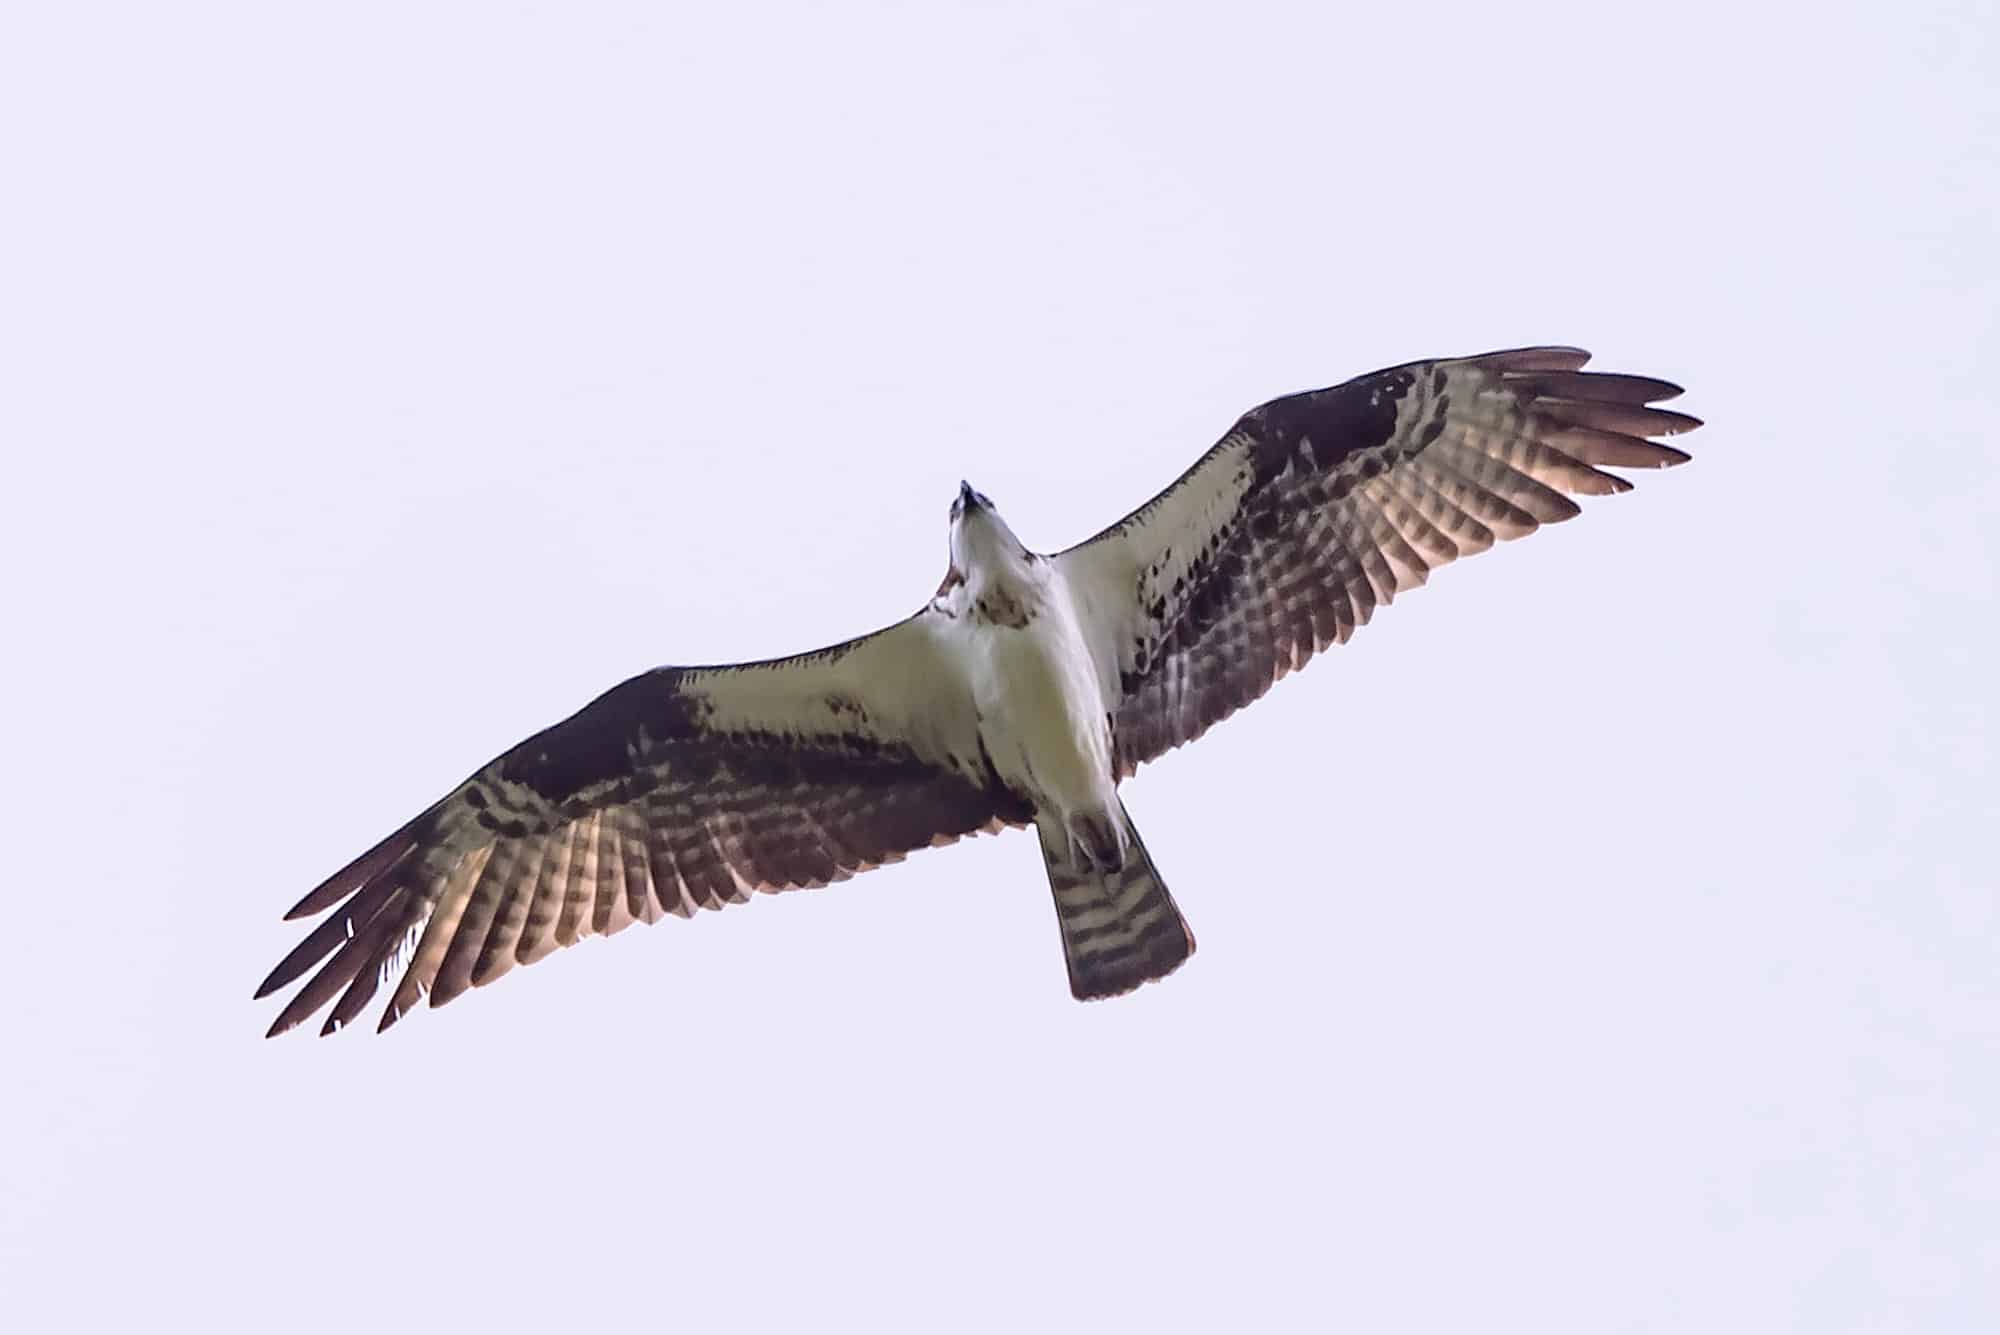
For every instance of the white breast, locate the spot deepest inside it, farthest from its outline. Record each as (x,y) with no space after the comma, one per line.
(1042,714)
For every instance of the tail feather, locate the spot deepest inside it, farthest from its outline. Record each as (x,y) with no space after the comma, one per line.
(1120,927)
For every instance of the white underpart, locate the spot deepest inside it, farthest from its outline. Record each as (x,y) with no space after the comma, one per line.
(1037,689)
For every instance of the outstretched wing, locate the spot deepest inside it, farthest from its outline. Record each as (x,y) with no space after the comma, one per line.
(1316,507)
(681,789)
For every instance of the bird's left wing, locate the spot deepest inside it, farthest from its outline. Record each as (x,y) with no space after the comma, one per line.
(1316,507)
(683,788)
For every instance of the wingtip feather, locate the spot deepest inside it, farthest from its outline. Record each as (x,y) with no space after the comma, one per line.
(365,869)
(1550,357)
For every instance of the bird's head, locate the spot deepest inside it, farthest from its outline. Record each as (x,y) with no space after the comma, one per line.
(980,538)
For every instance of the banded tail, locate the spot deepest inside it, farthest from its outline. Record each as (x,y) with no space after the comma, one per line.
(1119,925)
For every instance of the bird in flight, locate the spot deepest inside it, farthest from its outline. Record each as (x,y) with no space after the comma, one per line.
(1021,694)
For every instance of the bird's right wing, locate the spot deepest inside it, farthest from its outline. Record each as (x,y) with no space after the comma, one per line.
(683,788)
(1316,507)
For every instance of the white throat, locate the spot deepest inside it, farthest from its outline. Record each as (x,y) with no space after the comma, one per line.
(988,554)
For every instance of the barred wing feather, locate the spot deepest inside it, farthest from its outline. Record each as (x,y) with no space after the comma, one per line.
(1318,507)
(681,789)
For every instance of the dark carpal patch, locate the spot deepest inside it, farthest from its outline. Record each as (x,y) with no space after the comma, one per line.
(600,742)
(1330,424)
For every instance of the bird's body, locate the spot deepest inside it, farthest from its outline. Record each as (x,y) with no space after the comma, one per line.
(1039,695)
(1021,694)
(1044,696)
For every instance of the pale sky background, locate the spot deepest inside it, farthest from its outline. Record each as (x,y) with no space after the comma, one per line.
(1605,940)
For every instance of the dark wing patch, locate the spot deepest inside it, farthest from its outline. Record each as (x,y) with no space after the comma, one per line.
(595,746)
(1351,495)
(629,810)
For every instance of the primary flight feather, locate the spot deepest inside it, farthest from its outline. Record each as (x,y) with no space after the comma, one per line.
(1021,694)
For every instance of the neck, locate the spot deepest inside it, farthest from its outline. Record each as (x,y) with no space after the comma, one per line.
(1004,592)
(989,553)
(1002,573)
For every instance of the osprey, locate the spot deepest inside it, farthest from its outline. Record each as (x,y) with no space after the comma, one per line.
(1021,694)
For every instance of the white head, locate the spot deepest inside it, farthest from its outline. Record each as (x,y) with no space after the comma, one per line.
(981,543)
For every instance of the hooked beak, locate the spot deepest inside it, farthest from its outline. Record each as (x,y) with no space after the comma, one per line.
(967,498)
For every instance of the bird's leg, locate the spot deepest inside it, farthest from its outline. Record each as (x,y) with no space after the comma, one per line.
(1097,838)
